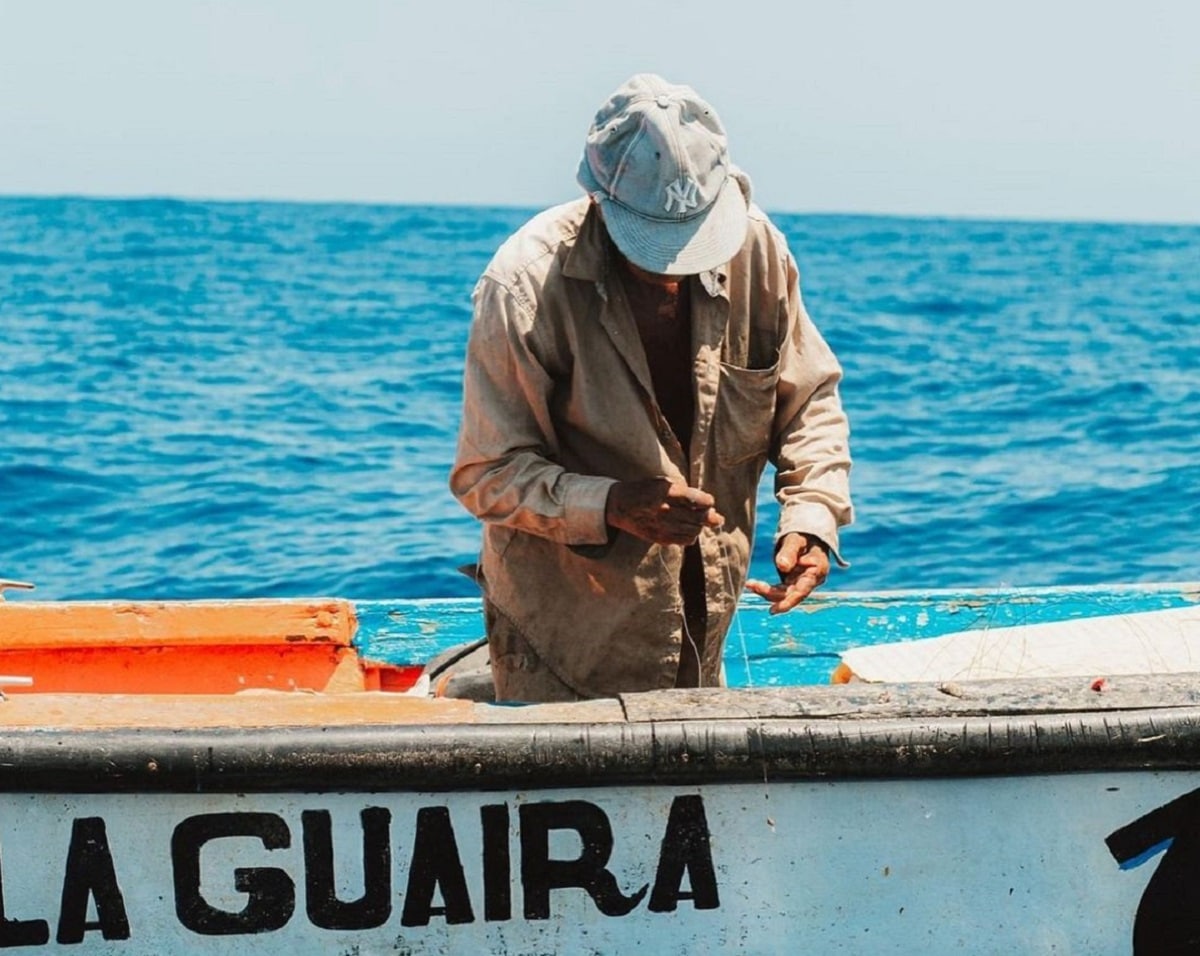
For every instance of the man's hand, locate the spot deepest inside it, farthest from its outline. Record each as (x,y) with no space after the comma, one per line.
(803,564)
(661,510)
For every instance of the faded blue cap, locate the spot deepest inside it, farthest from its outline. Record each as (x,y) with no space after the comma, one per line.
(657,162)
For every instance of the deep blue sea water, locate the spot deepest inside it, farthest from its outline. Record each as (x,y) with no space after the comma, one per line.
(259,399)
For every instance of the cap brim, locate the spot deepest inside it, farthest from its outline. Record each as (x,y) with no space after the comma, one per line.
(686,247)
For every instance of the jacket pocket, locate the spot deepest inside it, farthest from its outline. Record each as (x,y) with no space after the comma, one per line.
(745,410)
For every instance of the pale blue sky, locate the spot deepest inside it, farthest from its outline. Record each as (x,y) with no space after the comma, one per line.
(1069,109)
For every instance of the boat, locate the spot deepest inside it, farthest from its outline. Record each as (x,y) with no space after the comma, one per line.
(281,776)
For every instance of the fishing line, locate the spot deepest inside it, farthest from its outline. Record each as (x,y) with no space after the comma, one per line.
(736,619)
(687,632)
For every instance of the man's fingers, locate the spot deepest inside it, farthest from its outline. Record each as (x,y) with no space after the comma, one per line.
(784,597)
(815,562)
(797,591)
(662,510)
(771,592)
(790,549)
(681,494)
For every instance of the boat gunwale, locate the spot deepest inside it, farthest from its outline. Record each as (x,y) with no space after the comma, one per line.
(536,756)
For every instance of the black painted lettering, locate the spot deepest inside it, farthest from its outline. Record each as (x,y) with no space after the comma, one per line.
(540,874)
(497,867)
(436,865)
(323,906)
(20,932)
(91,875)
(271,893)
(686,847)
(1168,915)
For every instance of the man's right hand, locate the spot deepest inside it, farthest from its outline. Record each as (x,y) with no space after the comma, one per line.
(661,510)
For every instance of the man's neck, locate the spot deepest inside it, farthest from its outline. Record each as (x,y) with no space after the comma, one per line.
(664,283)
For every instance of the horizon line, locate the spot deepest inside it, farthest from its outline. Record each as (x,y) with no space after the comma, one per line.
(1015,218)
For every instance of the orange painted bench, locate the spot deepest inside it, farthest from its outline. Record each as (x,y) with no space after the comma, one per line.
(184,647)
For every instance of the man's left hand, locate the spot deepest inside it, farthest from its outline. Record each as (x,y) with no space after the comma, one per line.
(803,565)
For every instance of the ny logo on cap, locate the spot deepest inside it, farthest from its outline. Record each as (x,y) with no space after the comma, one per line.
(682,191)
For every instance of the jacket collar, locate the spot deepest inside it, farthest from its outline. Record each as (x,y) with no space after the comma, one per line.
(591,258)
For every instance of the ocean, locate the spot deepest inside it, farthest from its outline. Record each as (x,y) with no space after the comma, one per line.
(203,399)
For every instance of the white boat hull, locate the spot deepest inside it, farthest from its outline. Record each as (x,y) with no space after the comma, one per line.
(1009,864)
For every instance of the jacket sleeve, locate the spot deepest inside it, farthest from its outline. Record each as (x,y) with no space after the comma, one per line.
(810,446)
(505,470)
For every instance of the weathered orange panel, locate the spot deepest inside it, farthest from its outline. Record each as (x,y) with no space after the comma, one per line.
(390,677)
(193,647)
(127,624)
(68,712)
(192,669)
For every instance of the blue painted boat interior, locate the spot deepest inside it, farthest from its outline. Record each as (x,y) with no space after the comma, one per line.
(801,647)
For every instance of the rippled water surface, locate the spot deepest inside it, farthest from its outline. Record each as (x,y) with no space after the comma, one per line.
(217,399)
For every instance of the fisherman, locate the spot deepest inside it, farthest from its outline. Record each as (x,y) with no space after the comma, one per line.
(635,359)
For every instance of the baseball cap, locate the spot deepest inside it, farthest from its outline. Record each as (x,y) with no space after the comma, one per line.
(656,160)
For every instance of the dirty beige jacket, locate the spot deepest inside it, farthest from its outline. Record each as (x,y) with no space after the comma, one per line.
(558,405)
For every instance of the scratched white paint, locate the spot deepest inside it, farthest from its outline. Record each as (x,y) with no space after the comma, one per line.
(1151,642)
(998,865)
